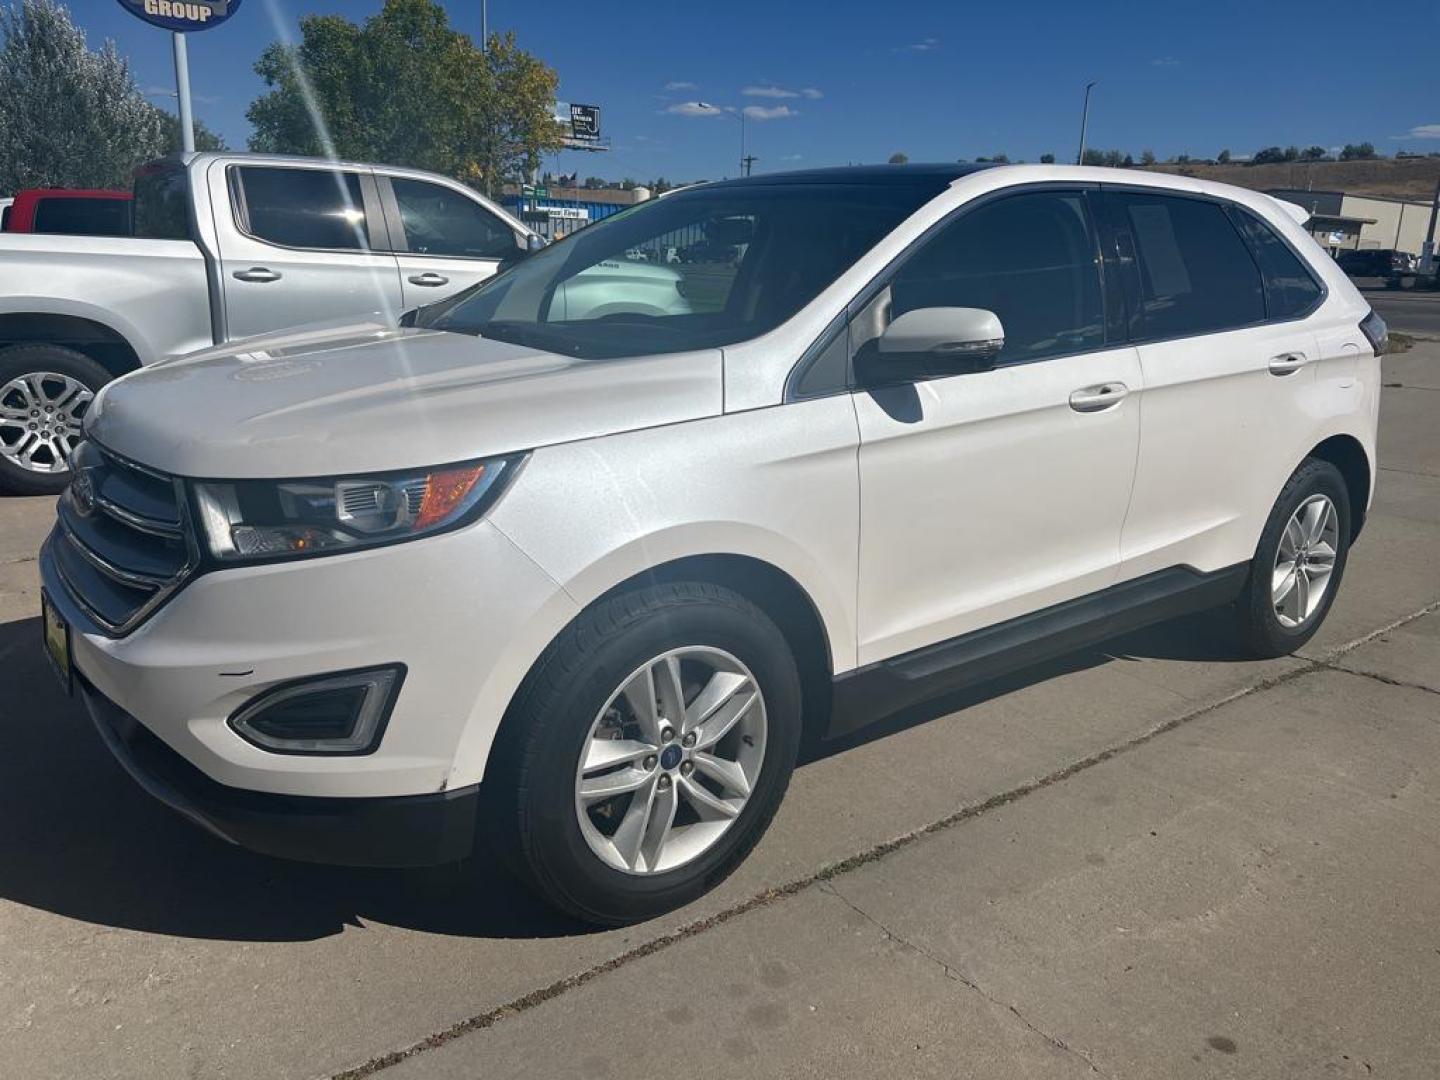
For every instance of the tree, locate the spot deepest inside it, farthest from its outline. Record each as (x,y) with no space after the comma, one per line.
(1047,159)
(1183,159)
(898,158)
(73,117)
(1224,156)
(1270,155)
(1129,161)
(1364,152)
(406,89)
(1147,157)
(170,141)
(1312,153)
(1292,153)
(1093,157)
(1001,159)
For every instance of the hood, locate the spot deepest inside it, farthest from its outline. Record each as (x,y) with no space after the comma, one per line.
(368,398)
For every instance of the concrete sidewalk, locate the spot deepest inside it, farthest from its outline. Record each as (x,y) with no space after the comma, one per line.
(1280,919)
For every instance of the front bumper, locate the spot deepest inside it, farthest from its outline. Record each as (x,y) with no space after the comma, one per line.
(400,831)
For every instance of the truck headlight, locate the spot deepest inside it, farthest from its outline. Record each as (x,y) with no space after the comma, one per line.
(260,520)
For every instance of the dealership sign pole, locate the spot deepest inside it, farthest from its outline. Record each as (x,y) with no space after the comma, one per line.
(181,17)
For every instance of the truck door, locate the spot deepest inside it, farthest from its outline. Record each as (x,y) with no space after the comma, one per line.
(301,244)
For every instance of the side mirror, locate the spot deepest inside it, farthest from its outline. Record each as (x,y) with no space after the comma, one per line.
(931,343)
(523,250)
(533,242)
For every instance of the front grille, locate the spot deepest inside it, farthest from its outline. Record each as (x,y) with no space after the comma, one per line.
(123,542)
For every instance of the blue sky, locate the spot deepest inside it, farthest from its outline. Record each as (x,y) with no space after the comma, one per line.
(840,81)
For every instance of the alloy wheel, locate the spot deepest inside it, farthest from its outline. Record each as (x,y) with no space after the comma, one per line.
(40,420)
(1305,561)
(671,760)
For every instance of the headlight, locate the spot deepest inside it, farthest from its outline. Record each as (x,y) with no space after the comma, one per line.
(253,520)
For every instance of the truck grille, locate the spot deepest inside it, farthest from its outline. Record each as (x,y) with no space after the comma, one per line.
(123,543)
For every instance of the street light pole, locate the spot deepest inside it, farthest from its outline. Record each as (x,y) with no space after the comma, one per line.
(484,26)
(1084,122)
(739,115)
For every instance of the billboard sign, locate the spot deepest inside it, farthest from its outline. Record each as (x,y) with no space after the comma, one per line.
(184,16)
(585,121)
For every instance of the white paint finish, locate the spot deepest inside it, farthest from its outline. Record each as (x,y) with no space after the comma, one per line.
(364,398)
(986,496)
(288,620)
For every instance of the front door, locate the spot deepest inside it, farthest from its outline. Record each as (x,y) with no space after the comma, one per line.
(445,239)
(989,495)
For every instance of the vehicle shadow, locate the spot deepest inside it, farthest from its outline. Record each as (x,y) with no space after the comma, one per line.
(81,840)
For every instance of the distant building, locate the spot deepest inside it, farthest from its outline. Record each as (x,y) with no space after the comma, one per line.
(1344,222)
(555,211)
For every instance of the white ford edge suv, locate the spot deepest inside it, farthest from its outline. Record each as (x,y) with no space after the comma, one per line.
(574,586)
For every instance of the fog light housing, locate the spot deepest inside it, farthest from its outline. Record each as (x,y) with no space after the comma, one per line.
(342,713)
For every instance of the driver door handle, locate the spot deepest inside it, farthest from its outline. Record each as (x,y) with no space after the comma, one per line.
(258,274)
(1099,397)
(429,280)
(1287,363)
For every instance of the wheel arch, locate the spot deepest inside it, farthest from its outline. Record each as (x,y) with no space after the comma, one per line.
(1348,455)
(101,343)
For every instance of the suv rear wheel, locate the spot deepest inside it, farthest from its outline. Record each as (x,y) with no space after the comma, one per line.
(45,391)
(647,752)
(1298,563)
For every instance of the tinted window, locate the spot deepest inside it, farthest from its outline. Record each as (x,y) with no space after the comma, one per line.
(1031,259)
(83,217)
(1290,289)
(441,221)
(305,208)
(162,202)
(700,268)
(1196,274)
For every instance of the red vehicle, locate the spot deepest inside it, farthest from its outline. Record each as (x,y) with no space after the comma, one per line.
(70,211)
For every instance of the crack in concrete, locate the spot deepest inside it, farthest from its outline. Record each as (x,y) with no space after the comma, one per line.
(955,974)
(1409,472)
(873,854)
(1388,680)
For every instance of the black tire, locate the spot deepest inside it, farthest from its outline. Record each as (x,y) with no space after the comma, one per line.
(1259,628)
(529,782)
(20,360)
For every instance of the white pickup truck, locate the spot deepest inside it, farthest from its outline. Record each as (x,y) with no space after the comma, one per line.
(228,246)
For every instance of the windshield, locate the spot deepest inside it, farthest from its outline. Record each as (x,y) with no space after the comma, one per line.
(697,269)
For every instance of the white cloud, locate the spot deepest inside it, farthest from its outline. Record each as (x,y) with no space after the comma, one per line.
(792,157)
(1421,131)
(678,85)
(1165,61)
(693,108)
(765,112)
(768,92)
(811,93)
(929,44)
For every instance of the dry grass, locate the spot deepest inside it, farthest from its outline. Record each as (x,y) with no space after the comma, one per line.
(1411,178)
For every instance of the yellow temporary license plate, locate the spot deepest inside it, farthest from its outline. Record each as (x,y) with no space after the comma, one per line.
(57,640)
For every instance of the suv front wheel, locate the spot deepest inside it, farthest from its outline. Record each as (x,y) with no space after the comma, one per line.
(1298,562)
(647,752)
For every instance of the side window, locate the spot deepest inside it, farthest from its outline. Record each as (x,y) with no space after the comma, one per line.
(441,221)
(1290,289)
(84,217)
(1196,274)
(1029,258)
(304,208)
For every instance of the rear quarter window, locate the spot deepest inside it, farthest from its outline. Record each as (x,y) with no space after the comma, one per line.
(1290,288)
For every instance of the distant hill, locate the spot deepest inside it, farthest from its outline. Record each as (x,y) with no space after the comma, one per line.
(1407,178)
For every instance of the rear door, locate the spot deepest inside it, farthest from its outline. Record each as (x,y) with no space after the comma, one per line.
(302,244)
(1223,418)
(445,238)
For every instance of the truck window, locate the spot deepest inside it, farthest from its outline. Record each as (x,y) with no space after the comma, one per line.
(83,217)
(303,208)
(442,221)
(162,202)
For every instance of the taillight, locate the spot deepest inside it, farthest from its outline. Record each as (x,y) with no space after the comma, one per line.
(1376,332)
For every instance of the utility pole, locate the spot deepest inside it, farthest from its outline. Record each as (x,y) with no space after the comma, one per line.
(182,93)
(484,26)
(1084,122)
(746,162)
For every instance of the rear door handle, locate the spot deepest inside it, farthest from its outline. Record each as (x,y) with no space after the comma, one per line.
(1098,398)
(258,273)
(429,280)
(1287,363)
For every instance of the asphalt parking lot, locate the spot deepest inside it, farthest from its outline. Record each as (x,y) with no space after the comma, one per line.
(1151,860)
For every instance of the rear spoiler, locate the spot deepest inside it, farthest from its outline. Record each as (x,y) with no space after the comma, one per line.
(1299,213)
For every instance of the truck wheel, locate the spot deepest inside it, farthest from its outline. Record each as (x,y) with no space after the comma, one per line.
(44,392)
(1298,563)
(646,752)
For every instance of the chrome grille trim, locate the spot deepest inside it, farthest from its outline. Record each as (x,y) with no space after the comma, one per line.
(147,532)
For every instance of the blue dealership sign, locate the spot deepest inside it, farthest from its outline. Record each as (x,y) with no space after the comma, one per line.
(186,16)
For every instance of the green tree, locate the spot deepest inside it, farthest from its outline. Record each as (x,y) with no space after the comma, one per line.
(1047,159)
(1364,152)
(1270,155)
(1147,157)
(406,89)
(170,141)
(1224,156)
(1312,153)
(72,117)
(898,158)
